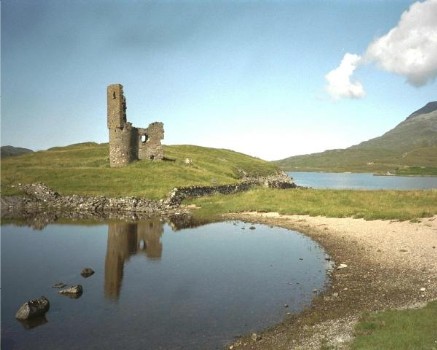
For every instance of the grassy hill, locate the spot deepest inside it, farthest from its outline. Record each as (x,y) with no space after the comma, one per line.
(84,169)
(411,147)
(11,151)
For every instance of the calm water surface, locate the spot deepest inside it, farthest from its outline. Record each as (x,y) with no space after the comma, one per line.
(155,288)
(363,181)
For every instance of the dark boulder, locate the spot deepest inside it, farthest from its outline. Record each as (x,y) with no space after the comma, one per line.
(87,272)
(33,308)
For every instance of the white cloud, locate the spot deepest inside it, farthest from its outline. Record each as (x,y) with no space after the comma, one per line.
(410,49)
(339,79)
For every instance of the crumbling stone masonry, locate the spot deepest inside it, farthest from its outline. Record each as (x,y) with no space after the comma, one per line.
(126,142)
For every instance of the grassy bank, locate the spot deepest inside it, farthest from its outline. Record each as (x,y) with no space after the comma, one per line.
(393,205)
(84,169)
(400,330)
(416,171)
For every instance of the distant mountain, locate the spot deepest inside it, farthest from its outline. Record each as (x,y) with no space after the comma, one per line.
(418,130)
(11,151)
(412,144)
(428,108)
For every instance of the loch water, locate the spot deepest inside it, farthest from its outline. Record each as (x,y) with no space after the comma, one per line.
(155,286)
(362,181)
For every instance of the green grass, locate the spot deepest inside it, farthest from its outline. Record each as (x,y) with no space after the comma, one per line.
(416,171)
(370,205)
(84,169)
(355,160)
(398,330)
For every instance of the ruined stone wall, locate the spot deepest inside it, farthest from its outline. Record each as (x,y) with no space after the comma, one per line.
(149,146)
(127,143)
(279,181)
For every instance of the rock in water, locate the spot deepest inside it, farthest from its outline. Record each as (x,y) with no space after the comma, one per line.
(87,272)
(33,308)
(74,291)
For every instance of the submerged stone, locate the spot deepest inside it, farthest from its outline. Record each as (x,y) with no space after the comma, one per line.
(73,292)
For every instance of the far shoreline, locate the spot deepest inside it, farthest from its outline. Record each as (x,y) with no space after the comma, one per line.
(358,172)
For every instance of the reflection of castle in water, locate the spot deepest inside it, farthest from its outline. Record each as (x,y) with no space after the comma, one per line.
(125,240)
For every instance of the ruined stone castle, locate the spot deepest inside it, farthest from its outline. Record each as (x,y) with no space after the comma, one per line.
(126,142)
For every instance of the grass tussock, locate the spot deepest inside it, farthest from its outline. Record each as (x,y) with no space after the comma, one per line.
(400,330)
(370,205)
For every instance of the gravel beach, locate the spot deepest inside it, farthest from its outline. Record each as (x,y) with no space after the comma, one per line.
(379,265)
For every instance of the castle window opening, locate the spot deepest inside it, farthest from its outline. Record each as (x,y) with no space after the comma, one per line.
(142,245)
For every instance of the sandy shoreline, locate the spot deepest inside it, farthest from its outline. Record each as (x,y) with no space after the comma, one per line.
(390,264)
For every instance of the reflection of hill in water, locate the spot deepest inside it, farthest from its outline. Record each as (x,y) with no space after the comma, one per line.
(125,240)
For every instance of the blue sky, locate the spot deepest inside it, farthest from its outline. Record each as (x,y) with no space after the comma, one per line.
(268,78)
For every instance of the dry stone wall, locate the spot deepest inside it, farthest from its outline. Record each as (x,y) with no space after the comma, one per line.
(279,181)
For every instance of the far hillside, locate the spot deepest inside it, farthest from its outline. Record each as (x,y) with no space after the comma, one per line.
(84,169)
(11,151)
(409,148)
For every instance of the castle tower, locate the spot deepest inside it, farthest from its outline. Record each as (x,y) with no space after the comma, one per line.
(123,139)
(127,143)
(116,106)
